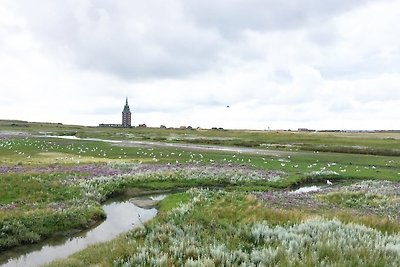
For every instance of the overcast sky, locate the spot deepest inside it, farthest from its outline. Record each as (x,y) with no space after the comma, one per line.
(331,64)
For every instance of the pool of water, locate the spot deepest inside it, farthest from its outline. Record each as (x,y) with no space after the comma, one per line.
(122,215)
(306,189)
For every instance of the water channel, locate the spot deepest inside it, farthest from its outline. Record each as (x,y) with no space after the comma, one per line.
(122,215)
(199,147)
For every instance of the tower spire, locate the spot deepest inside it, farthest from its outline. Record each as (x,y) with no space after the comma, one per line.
(126,115)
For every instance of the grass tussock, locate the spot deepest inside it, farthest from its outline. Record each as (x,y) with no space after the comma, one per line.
(356,199)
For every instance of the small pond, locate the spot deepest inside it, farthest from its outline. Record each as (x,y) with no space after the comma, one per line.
(306,189)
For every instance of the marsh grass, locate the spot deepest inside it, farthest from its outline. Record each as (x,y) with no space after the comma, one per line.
(46,151)
(356,143)
(35,206)
(233,229)
(381,223)
(356,199)
(22,189)
(25,227)
(47,202)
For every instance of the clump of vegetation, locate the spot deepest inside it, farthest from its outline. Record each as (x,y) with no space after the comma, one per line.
(215,228)
(99,188)
(356,199)
(26,227)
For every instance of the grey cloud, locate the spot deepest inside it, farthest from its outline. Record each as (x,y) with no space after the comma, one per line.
(324,35)
(193,101)
(373,63)
(104,111)
(140,108)
(210,101)
(232,17)
(164,39)
(341,106)
(282,76)
(379,93)
(129,39)
(5,101)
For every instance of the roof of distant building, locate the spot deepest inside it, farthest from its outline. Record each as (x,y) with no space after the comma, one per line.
(126,107)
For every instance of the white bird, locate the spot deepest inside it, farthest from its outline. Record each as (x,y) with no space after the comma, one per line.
(329,182)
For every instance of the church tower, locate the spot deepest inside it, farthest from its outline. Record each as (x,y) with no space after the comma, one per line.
(126,115)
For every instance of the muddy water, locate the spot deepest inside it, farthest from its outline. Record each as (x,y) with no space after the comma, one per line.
(122,215)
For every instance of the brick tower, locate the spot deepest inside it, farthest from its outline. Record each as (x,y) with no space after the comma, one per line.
(126,115)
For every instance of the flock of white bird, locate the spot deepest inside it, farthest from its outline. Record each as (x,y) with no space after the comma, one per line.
(75,151)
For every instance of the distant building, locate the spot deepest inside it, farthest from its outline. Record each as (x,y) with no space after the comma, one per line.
(126,115)
(126,119)
(110,125)
(305,130)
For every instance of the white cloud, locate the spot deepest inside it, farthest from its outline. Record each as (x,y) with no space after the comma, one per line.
(276,64)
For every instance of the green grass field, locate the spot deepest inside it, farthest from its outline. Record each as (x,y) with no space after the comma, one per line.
(381,143)
(52,185)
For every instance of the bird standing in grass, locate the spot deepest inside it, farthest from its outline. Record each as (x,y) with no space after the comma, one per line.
(329,182)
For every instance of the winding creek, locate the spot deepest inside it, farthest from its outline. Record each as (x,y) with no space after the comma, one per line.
(122,215)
